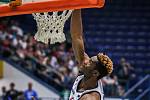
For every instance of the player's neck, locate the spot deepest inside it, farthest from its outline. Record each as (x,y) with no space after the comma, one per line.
(89,83)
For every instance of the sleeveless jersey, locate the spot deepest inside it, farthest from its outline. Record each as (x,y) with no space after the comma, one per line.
(75,95)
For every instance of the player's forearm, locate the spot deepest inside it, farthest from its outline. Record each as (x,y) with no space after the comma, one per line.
(76,34)
(76,24)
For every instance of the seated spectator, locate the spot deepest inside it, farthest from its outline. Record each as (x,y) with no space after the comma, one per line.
(30,94)
(3,89)
(15,27)
(12,93)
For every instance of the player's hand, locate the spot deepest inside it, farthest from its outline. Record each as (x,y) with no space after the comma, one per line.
(14,4)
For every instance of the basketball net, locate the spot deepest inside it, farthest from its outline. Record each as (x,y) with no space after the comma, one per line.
(50,26)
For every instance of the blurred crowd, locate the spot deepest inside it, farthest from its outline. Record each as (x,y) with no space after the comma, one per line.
(120,80)
(54,64)
(49,63)
(13,94)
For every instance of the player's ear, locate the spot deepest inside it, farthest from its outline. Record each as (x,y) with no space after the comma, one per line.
(96,73)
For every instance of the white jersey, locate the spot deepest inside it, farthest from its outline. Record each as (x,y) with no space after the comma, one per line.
(75,95)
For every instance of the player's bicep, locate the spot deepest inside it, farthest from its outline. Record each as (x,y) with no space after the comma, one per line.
(91,96)
(94,97)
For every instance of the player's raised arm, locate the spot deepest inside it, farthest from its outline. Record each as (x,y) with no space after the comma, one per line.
(76,35)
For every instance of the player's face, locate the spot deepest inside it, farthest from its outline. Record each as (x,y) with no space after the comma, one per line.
(89,66)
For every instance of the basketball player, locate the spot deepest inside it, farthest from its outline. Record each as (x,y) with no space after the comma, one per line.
(87,85)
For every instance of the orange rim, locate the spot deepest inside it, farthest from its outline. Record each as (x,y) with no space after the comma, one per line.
(49,6)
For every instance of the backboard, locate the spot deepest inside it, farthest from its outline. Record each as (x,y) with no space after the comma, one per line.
(37,6)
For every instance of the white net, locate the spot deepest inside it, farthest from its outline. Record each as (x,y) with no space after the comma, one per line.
(50,26)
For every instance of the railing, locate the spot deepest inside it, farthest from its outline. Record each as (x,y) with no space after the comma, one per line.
(144,93)
(139,90)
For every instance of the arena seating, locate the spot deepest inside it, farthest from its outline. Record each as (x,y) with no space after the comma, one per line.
(121,29)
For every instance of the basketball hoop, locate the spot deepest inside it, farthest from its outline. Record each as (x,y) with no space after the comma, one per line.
(50,26)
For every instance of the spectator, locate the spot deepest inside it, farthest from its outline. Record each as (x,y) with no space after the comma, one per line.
(54,62)
(124,71)
(3,89)
(12,93)
(30,93)
(120,90)
(71,62)
(21,96)
(15,27)
(110,85)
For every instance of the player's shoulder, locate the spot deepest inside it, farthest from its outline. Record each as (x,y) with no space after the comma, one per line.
(91,96)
